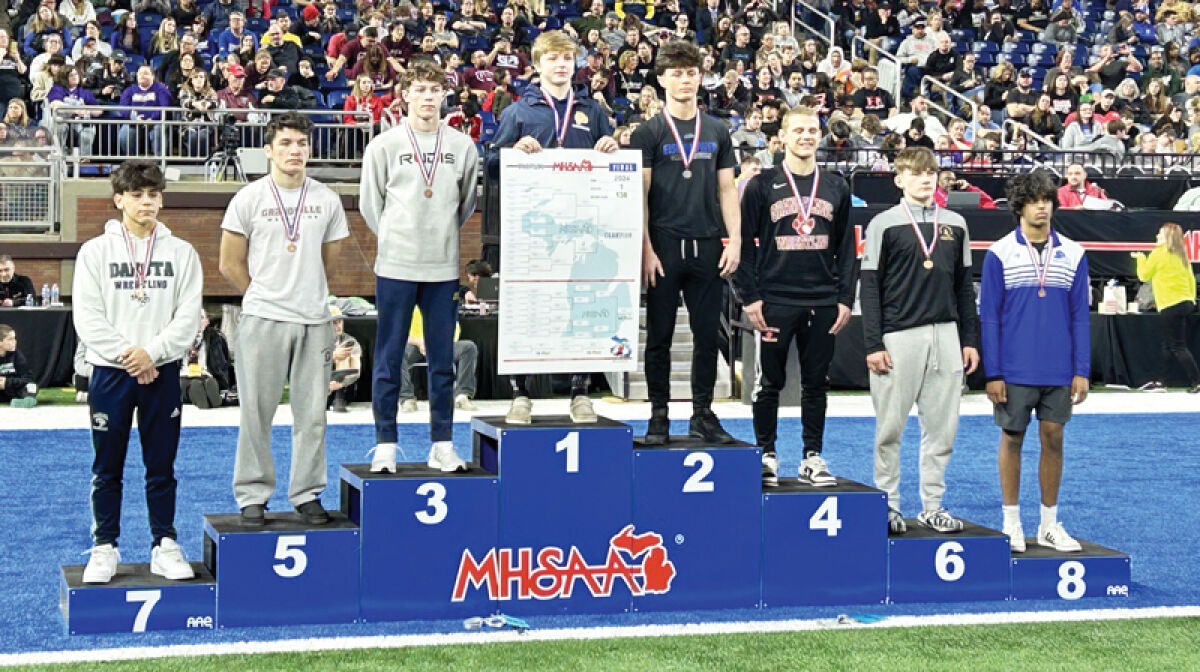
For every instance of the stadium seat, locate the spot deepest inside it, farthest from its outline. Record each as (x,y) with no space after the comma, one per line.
(553,23)
(487,118)
(531,32)
(470,43)
(314,51)
(1015,48)
(149,19)
(985,47)
(338,82)
(986,60)
(337,98)
(259,25)
(146,33)
(156,61)
(320,101)
(1040,61)
(134,62)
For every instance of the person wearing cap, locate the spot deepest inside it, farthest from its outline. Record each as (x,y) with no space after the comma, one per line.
(90,62)
(230,37)
(278,95)
(1112,65)
(1021,99)
(612,32)
(1061,30)
(308,29)
(913,52)
(504,57)
(91,30)
(113,79)
(347,357)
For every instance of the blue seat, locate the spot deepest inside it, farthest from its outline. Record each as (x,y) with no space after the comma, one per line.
(156,61)
(337,98)
(474,43)
(149,19)
(985,47)
(315,51)
(1040,60)
(531,32)
(553,23)
(487,118)
(134,61)
(338,82)
(257,25)
(146,34)
(1039,48)
(1015,48)
(320,101)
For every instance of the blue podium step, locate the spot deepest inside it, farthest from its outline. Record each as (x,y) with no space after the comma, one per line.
(421,529)
(1042,573)
(702,502)
(824,545)
(284,573)
(967,566)
(137,601)
(564,509)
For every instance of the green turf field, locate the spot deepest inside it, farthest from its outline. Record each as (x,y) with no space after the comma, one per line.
(1162,644)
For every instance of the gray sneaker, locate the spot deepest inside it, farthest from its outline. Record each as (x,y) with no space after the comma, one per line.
(463,403)
(521,411)
(408,406)
(940,520)
(582,411)
(896,524)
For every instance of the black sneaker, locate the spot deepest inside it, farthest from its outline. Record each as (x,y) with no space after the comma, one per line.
(254,515)
(659,430)
(313,513)
(339,404)
(706,427)
(770,470)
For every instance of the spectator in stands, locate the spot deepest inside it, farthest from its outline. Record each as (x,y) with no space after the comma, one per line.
(871,99)
(374,64)
(165,39)
(1123,31)
(1061,31)
(77,13)
(397,45)
(235,95)
(1021,99)
(355,49)
(1113,141)
(948,182)
(1112,66)
(68,90)
(145,92)
(1064,98)
(956,129)
(944,62)
(16,378)
(1033,16)
(284,53)
(1169,271)
(1174,121)
(443,36)
(16,119)
(982,123)
(1191,89)
(347,357)
(200,100)
(219,15)
(916,135)
(854,15)
(1071,196)
(229,40)
(279,96)
(501,96)
(764,88)
(732,98)
(918,108)
(1174,58)
(995,93)
(749,138)
(1044,121)
(834,65)
(475,269)
(51,47)
(45,24)
(308,28)
(362,98)
(306,77)
(913,54)
(839,144)
(740,49)
(90,62)
(968,79)
(90,30)
(246,50)
(44,81)
(182,71)
(1081,126)
(256,72)
(170,60)
(998,30)
(1157,69)
(1171,29)
(1128,98)
(14,287)
(880,25)
(1064,62)
(13,70)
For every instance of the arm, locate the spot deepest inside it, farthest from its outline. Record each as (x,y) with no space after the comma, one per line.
(745,279)
(330,252)
(234,260)
(991,306)
(1147,267)
(847,256)
(467,188)
(732,215)
(968,318)
(174,339)
(871,288)
(651,266)
(373,186)
(95,330)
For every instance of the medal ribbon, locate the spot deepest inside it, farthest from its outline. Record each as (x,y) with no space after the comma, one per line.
(927,249)
(561,124)
(291,225)
(1041,269)
(139,273)
(426,175)
(816,178)
(686,159)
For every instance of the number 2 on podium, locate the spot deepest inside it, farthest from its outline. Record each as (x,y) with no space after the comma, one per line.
(570,444)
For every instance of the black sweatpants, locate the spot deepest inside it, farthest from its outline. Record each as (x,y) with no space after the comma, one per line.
(689,266)
(809,327)
(113,398)
(1174,348)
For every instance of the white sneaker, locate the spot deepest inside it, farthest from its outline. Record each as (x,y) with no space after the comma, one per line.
(384,458)
(443,457)
(1016,537)
(582,411)
(408,406)
(814,472)
(102,566)
(770,470)
(168,562)
(521,411)
(463,403)
(1057,538)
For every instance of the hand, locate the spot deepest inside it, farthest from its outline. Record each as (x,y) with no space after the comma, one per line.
(970,360)
(754,312)
(136,361)
(1,382)
(334,386)
(1079,390)
(879,362)
(147,377)
(843,318)
(997,392)
(730,258)
(331,75)
(528,144)
(8,302)
(421,347)
(340,353)
(651,266)
(606,144)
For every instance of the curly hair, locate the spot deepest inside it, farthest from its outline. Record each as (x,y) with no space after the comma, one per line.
(1030,188)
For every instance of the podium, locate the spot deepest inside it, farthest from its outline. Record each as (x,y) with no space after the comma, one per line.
(418,527)
(284,573)
(824,545)
(966,566)
(1042,573)
(137,601)
(703,504)
(559,518)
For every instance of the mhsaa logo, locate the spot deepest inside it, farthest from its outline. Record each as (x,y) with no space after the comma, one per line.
(584,166)
(1119,590)
(1191,243)
(639,560)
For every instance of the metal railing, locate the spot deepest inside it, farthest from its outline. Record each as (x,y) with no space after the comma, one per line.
(947,95)
(830,22)
(890,69)
(1008,162)
(176,139)
(29,181)
(1013,128)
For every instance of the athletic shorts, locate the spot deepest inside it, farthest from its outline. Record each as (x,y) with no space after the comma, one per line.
(1053,404)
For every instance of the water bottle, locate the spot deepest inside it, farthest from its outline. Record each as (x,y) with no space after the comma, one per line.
(54,300)
(45,295)
(210,171)
(29,301)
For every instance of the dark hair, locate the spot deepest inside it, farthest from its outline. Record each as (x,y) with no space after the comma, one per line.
(479,267)
(1029,188)
(292,120)
(677,54)
(839,129)
(1115,126)
(137,175)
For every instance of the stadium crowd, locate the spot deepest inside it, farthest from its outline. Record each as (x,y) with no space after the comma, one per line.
(1121,78)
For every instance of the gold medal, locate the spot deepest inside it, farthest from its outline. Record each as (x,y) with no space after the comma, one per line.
(1041,293)
(291,247)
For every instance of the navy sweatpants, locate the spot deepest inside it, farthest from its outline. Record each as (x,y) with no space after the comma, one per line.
(439,311)
(113,396)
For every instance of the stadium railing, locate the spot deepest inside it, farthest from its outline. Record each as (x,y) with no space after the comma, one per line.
(1014,128)
(29,179)
(1007,162)
(802,10)
(947,94)
(173,140)
(891,71)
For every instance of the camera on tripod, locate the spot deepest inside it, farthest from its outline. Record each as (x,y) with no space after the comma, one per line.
(229,137)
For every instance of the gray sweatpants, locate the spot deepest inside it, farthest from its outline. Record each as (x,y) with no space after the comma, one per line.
(270,353)
(927,368)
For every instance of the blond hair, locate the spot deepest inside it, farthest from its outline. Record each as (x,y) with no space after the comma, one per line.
(1174,235)
(797,111)
(552,41)
(916,160)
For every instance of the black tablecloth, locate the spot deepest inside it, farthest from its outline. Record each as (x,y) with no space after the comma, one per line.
(46,337)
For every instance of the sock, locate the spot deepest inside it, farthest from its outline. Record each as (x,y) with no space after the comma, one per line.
(1049,515)
(811,453)
(1012,514)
